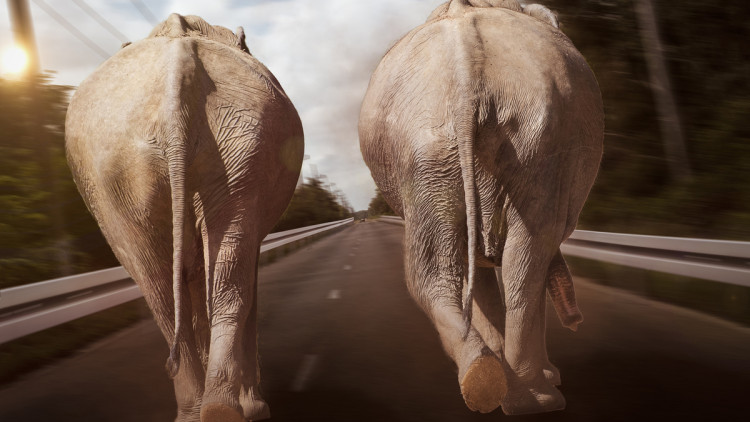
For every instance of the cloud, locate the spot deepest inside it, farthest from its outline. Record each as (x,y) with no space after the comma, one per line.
(322,52)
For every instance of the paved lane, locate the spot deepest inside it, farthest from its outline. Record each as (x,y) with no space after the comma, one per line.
(341,340)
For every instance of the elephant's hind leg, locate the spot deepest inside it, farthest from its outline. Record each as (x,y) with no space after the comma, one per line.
(231,296)
(435,282)
(488,316)
(253,405)
(526,258)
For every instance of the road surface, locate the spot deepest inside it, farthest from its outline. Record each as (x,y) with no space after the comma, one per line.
(341,340)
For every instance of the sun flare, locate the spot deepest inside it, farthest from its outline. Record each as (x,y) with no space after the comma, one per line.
(14,60)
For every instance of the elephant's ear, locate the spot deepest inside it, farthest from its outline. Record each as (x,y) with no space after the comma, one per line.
(240,32)
(542,13)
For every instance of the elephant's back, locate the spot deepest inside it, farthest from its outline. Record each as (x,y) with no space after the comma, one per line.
(507,56)
(118,126)
(128,92)
(519,71)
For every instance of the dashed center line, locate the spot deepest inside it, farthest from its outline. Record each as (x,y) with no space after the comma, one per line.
(334,294)
(304,375)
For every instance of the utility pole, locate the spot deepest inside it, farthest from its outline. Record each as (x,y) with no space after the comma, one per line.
(23,33)
(669,117)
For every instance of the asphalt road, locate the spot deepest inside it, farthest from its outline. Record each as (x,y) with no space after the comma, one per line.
(341,340)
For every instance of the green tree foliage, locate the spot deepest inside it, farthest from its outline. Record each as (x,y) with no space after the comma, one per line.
(378,205)
(36,188)
(311,204)
(705,46)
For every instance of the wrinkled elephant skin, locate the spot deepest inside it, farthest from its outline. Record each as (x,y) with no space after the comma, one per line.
(483,129)
(187,150)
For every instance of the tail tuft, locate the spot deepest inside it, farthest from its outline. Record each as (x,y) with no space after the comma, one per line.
(173,362)
(467,313)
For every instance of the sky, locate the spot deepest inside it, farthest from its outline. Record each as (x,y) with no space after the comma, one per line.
(321,51)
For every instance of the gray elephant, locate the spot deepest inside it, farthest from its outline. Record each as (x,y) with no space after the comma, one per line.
(483,129)
(187,150)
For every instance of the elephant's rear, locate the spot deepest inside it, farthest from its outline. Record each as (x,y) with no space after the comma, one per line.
(187,150)
(483,128)
(238,132)
(531,105)
(540,118)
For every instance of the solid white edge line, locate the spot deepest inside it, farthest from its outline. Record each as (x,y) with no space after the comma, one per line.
(276,244)
(304,374)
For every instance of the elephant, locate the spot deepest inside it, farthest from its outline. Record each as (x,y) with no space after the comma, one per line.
(187,150)
(483,129)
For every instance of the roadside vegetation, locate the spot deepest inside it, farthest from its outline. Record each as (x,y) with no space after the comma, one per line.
(708,65)
(45,229)
(312,204)
(378,206)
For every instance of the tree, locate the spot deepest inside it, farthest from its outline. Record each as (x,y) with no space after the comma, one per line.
(706,59)
(669,118)
(36,188)
(311,204)
(378,205)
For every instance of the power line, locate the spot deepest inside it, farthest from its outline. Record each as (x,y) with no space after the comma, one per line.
(71,28)
(145,12)
(103,22)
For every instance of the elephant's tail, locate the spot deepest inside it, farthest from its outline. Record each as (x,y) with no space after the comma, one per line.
(466,106)
(178,104)
(560,289)
(465,137)
(466,158)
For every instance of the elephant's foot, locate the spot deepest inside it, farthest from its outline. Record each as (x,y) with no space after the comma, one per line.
(259,412)
(220,412)
(188,415)
(547,398)
(552,374)
(484,385)
(253,406)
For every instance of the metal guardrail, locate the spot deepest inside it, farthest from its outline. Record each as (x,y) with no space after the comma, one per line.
(391,219)
(716,260)
(34,307)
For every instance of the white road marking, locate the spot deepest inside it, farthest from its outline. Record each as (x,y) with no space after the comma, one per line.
(334,294)
(304,374)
